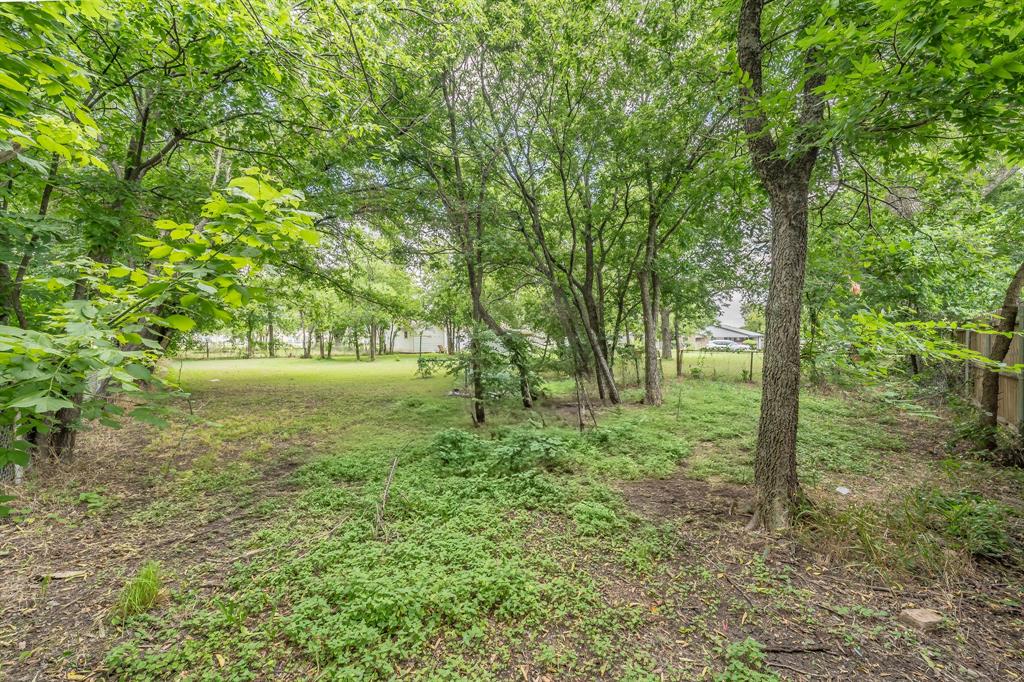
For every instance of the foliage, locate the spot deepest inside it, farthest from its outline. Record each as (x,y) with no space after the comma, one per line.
(85,348)
(41,86)
(745,662)
(928,530)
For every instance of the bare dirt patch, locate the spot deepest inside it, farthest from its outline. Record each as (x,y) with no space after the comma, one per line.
(816,617)
(61,627)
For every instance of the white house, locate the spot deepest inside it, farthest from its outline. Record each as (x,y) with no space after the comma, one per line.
(417,340)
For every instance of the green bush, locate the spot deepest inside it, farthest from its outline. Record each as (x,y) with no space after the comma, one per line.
(594,518)
(513,451)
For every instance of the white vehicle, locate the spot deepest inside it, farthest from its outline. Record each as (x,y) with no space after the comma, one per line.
(726,345)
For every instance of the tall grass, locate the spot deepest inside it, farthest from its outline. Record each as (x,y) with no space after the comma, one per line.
(142,592)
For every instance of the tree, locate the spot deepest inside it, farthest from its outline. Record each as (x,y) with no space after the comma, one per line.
(61,371)
(886,69)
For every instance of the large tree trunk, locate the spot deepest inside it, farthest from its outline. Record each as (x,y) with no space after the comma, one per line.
(775,477)
(59,443)
(1000,347)
(373,342)
(787,181)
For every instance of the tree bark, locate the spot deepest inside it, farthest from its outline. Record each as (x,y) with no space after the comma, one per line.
(775,477)
(248,337)
(59,443)
(997,353)
(786,178)
(270,334)
(679,348)
(652,359)
(666,334)
(650,307)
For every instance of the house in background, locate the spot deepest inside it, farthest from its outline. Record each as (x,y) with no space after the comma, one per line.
(723,332)
(727,332)
(728,327)
(426,340)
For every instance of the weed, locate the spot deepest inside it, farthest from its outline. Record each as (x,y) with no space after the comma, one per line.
(95,502)
(928,530)
(594,518)
(975,524)
(745,662)
(141,593)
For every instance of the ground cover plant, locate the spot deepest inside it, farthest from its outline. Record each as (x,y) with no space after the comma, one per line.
(525,548)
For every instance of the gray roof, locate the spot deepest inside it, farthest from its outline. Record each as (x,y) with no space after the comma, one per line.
(733,331)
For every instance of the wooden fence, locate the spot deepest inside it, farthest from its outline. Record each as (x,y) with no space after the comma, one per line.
(1011,384)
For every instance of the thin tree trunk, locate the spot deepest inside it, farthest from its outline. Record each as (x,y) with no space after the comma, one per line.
(270,334)
(679,347)
(666,334)
(652,360)
(248,337)
(476,376)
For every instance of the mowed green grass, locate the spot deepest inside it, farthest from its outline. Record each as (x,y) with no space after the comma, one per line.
(491,539)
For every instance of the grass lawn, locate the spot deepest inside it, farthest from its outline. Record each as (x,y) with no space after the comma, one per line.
(522,550)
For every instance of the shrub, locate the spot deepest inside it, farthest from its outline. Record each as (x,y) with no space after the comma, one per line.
(594,518)
(458,449)
(514,451)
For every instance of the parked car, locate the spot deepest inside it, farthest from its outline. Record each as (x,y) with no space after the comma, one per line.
(726,345)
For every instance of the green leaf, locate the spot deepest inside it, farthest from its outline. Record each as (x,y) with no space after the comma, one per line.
(254,188)
(40,403)
(180,322)
(138,371)
(11,84)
